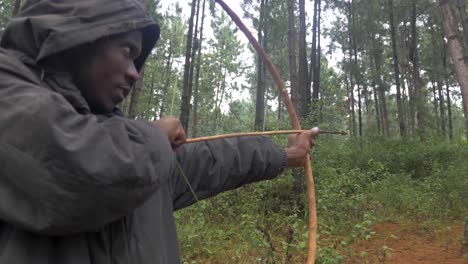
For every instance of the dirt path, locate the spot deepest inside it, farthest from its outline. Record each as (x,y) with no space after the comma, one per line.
(394,244)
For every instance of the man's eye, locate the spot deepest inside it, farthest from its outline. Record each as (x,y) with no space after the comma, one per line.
(127,51)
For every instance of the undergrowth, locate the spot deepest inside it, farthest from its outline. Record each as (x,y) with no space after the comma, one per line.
(358,184)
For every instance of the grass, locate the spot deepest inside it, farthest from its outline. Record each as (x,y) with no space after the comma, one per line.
(358,184)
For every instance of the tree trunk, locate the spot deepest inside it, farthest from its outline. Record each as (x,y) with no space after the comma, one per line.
(303,79)
(442,107)
(377,106)
(447,92)
(455,47)
(418,93)
(464,18)
(316,64)
(313,52)
(186,91)
(151,115)
(280,111)
(135,95)
(16,8)
(436,105)
(357,74)
(260,98)
(294,84)
(396,69)
(292,54)
(168,76)
(197,76)
(351,71)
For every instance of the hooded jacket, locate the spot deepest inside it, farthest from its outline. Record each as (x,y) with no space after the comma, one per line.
(82,188)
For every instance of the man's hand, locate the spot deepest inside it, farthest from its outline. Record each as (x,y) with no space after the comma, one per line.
(172,127)
(299,146)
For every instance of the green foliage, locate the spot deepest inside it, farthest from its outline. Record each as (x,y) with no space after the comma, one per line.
(358,184)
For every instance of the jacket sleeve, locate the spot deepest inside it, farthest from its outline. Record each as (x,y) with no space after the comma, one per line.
(215,166)
(63,173)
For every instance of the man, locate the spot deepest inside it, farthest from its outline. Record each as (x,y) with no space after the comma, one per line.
(78,182)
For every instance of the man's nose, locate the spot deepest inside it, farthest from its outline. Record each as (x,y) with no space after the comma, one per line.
(131,73)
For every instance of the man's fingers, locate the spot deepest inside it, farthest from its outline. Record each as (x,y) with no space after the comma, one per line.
(312,133)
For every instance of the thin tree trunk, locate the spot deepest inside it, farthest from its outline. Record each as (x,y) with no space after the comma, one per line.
(292,53)
(412,107)
(280,111)
(294,84)
(260,98)
(405,100)
(396,70)
(377,106)
(447,91)
(351,72)
(378,61)
(168,76)
(313,52)
(316,68)
(357,74)
(449,109)
(303,79)
(218,101)
(150,99)
(464,18)
(455,47)
(16,8)
(442,107)
(135,95)
(436,105)
(195,46)
(418,93)
(197,76)
(186,92)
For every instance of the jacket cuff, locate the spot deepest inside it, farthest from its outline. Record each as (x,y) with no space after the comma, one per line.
(279,161)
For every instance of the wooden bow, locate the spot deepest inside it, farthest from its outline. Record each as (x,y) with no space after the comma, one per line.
(312,243)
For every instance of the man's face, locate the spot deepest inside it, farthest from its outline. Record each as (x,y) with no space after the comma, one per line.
(104,71)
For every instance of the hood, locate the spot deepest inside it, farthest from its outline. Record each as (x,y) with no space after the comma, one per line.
(47,27)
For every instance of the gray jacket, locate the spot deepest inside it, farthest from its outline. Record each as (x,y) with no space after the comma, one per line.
(80,188)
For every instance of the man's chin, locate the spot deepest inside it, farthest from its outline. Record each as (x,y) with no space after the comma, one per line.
(103,109)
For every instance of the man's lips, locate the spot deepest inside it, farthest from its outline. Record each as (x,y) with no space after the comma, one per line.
(125,90)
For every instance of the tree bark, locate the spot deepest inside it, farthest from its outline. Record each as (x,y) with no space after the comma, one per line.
(168,76)
(303,79)
(186,91)
(316,67)
(150,115)
(260,97)
(357,74)
(436,105)
(16,8)
(292,54)
(418,93)
(313,52)
(443,120)
(135,95)
(295,94)
(464,18)
(396,70)
(447,92)
(351,72)
(377,107)
(455,47)
(197,76)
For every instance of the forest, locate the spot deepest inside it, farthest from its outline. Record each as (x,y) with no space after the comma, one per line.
(392,74)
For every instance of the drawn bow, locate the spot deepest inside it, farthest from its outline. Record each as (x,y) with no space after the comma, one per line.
(312,243)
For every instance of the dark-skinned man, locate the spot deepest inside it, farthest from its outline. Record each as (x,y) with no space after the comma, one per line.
(81,184)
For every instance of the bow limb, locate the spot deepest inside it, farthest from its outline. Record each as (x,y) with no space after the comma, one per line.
(312,243)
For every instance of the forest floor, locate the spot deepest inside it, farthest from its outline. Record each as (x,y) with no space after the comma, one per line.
(395,243)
